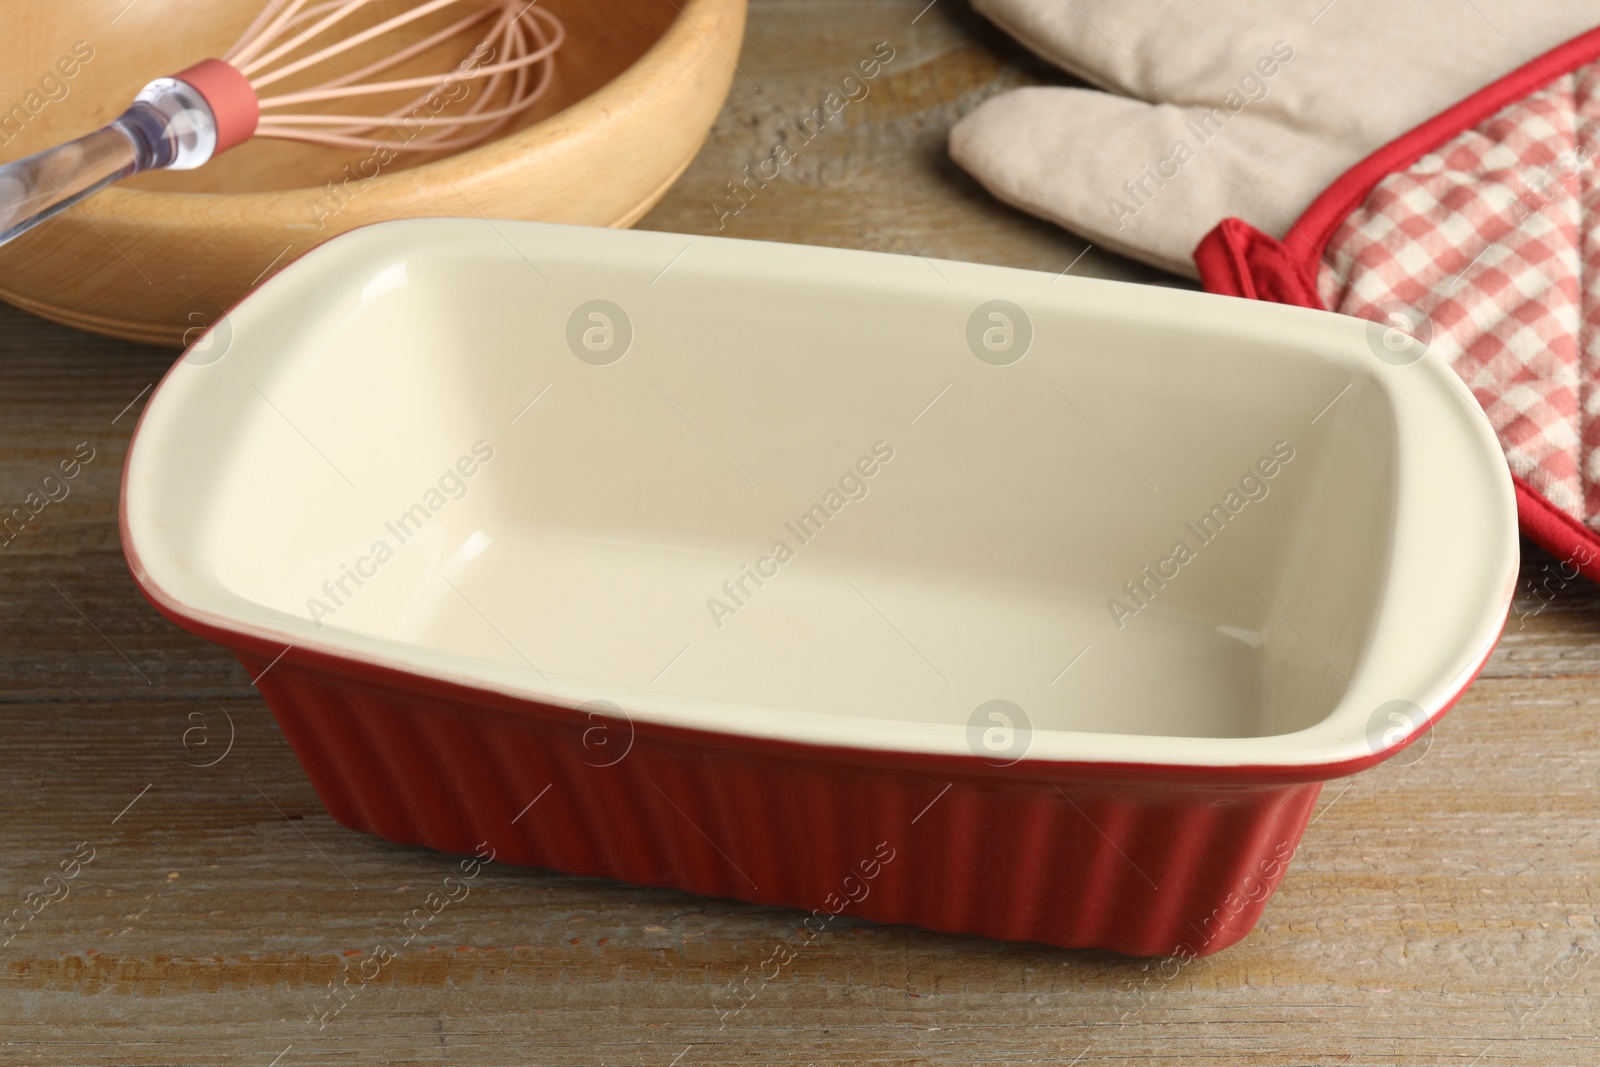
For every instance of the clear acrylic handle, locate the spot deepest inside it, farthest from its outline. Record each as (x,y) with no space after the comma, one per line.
(35,188)
(169,125)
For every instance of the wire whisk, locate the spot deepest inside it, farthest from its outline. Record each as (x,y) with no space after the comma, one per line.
(182,121)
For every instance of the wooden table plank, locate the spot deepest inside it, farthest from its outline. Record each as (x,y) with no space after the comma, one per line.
(1439,910)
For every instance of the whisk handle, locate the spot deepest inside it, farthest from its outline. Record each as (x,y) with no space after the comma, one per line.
(172,124)
(49,182)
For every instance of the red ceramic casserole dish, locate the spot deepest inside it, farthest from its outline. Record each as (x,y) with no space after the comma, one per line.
(919,591)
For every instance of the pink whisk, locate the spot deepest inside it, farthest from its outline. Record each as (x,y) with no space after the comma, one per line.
(182,121)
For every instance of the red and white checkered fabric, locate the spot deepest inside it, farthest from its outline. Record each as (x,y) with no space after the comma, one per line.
(1495,238)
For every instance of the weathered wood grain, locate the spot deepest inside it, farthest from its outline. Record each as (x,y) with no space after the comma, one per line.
(1439,910)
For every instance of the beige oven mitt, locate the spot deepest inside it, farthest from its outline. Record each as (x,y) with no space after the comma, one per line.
(1219,108)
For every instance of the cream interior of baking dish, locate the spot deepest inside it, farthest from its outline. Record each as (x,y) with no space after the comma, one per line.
(811,498)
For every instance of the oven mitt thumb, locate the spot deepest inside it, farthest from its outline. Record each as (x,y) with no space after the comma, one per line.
(1226,108)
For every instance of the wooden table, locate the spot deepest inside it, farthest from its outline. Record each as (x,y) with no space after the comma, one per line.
(1439,911)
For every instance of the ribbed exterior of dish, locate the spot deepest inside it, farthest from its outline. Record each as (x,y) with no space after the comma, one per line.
(1144,867)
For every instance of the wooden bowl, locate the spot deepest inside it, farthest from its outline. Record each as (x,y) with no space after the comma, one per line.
(158,258)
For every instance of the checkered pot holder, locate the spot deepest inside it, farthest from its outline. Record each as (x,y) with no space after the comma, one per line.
(1478,233)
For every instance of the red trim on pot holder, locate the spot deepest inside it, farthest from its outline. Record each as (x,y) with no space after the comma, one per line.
(1556,532)
(1236,259)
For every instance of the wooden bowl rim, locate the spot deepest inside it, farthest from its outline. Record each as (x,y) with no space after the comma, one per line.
(159,208)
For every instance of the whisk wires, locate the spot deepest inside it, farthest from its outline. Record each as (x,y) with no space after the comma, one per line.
(506,71)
